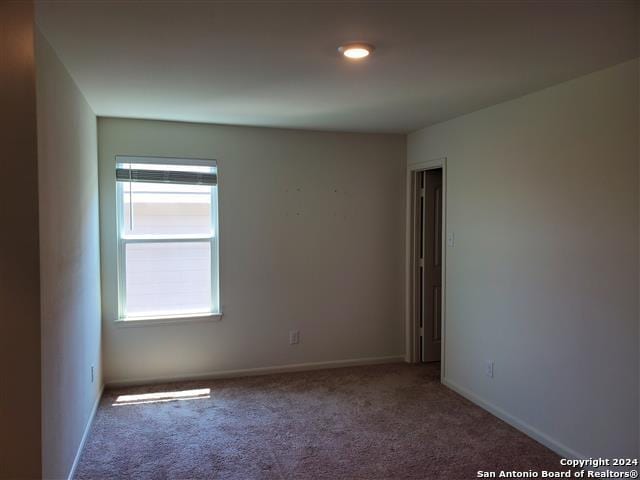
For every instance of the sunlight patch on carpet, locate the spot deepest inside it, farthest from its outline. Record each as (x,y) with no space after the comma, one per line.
(162,397)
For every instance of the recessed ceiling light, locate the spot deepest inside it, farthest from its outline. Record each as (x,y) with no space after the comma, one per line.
(356,51)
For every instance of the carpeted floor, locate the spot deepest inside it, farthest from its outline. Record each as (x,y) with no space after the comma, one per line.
(379,422)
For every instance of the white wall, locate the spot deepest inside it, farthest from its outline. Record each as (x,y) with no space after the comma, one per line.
(311,229)
(69,261)
(542,196)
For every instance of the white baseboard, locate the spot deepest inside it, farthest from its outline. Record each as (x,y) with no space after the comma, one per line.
(248,372)
(85,434)
(549,442)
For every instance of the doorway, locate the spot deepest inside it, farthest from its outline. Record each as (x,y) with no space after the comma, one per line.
(426,262)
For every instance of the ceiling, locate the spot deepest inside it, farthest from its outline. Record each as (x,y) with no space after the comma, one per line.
(275,64)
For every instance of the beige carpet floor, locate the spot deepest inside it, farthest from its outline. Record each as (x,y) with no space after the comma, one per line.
(377,422)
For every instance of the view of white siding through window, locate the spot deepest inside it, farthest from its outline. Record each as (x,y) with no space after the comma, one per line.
(166,278)
(167,209)
(167,234)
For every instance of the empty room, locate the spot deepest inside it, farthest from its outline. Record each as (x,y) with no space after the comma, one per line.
(320,239)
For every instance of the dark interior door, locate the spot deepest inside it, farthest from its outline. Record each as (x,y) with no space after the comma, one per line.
(431,265)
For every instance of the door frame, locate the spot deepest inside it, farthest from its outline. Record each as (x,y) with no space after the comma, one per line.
(411,334)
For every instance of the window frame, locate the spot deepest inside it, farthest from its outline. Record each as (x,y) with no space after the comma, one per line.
(124,240)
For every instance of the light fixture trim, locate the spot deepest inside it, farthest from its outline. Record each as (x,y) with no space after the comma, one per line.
(356,50)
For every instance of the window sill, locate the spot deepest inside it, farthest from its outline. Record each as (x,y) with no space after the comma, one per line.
(144,321)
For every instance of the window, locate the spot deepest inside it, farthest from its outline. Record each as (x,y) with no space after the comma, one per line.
(167,237)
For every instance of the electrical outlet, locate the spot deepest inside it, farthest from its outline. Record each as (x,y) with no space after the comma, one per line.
(488,368)
(93,376)
(294,337)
